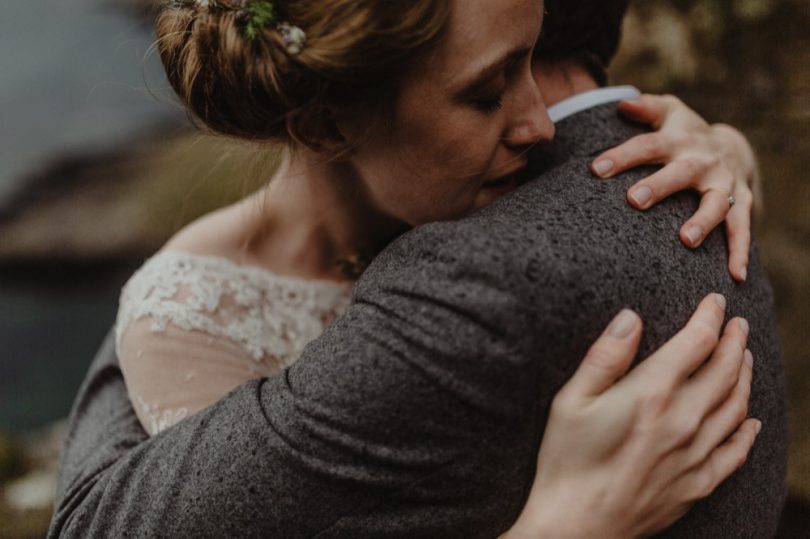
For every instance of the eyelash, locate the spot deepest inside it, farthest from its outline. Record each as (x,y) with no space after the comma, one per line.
(493,103)
(490,105)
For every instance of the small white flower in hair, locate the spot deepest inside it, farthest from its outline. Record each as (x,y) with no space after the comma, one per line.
(204,4)
(294,38)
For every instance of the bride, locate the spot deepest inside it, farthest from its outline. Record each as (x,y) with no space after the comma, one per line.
(385,125)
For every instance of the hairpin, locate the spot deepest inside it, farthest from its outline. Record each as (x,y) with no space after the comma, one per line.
(254,15)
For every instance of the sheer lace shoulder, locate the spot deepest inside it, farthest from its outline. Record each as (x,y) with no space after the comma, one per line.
(272,317)
(191,328)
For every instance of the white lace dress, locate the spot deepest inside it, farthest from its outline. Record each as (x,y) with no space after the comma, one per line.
(191,328)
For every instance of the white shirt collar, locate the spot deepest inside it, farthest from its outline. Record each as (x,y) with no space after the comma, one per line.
(592,98)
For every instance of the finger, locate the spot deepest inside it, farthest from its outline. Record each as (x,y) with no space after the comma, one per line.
(714,206)
(684,353)
(609,357)
(710,386)
(727,418)
(738,229)
(671,179)
(724,460)
(647,109)
(645,149)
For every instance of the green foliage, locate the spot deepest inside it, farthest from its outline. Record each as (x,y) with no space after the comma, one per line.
(262,14)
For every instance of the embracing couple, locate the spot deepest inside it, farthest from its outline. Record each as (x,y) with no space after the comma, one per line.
(487,373)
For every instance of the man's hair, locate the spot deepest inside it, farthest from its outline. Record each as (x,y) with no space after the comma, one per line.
(584,31)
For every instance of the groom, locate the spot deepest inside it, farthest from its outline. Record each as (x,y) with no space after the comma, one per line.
(422,408)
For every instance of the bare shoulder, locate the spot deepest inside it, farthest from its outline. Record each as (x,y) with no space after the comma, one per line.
(219,233)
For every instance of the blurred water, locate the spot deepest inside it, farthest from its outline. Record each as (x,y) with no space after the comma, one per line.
(75,78)
(52,321)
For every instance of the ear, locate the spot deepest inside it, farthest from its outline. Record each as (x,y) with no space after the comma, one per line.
(317,128)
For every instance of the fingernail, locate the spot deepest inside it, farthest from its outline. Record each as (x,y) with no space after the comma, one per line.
(744,273)
(721,301)
(744,325)
(758,426)
(641,196)
(694,233)
(622,326)
(603,167)
(748,357)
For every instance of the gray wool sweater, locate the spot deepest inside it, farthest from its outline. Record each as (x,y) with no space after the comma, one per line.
(419,413)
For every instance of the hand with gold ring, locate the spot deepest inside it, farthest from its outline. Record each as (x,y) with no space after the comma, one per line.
(714,160)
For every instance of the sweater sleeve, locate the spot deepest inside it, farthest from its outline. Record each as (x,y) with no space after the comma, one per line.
(380,429)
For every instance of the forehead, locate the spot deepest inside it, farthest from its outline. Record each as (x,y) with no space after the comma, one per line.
(484,31)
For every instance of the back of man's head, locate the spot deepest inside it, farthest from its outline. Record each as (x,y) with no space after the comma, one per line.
(585,31)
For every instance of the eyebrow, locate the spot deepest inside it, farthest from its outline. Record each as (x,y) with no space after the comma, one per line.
(486,73)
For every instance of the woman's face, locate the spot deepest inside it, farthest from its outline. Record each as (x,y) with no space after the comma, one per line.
(463,120)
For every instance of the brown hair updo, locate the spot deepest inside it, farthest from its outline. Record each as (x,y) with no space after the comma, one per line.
(354,52)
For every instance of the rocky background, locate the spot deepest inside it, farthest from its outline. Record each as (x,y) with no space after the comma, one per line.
(78,217)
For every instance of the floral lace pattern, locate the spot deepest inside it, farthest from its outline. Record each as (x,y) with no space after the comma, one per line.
(159,420)
(272,317)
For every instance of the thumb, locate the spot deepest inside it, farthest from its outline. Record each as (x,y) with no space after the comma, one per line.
(609,357)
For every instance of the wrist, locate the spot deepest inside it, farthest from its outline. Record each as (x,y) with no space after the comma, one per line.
(534,524)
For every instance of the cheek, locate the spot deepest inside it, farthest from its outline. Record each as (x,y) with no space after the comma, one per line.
(451,143)
(432,167)
(415,192)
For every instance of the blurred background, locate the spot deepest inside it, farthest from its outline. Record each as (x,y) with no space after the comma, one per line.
(99,166)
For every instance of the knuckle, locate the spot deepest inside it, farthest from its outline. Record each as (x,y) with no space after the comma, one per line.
(718,212)
(689,167)
(682,138)
(716,202)
(713,160)
(740,410)
(601,358)
(696,455)
(563,401)
(670,99)
(741,187)
(649,100)
(728,378)
(744,196)
(731,358)
(704,484)
(727,177)
(683,430)
(650,143)
(654,404)
(704,336)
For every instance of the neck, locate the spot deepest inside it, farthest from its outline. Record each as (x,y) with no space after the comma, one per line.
(559,80)
(313,214)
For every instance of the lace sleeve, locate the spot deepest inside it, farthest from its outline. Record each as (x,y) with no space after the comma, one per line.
(192,328)
(174,373)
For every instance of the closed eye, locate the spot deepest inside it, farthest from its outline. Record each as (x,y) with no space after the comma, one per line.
(490,104)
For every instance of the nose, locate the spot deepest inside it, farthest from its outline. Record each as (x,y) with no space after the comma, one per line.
(530,122)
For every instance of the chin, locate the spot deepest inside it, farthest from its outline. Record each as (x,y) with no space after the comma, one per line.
(488,196)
